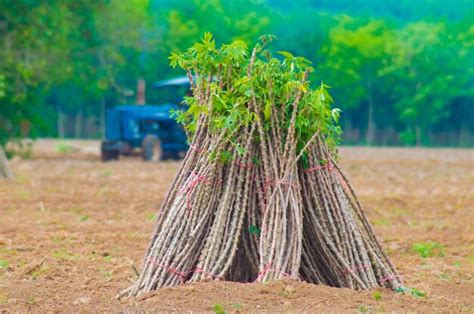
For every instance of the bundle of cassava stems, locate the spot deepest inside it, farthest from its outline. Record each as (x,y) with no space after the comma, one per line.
(259,195)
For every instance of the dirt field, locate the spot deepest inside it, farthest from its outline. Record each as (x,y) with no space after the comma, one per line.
(71,226)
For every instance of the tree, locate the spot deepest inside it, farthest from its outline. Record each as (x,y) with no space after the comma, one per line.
(5,171)
(354,55)
(64,62)
(28,30)
(106,44)
(428,73)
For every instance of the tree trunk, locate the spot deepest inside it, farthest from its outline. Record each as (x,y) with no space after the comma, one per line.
(102,118)
(370,119)
(370,123)
(5,171)
(418,135)
(141,86)
(78,124)
(463,134)
(60,122)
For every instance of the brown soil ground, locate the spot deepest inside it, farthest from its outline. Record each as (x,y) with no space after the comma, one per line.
(72,226)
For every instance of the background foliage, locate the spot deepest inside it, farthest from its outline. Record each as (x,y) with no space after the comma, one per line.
(401,71)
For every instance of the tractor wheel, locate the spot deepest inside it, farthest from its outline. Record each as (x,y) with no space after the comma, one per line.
(151,148)
(108,154)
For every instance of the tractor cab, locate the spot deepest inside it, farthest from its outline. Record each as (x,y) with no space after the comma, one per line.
(148,129)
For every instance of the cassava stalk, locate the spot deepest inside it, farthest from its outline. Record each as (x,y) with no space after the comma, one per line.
(259,195)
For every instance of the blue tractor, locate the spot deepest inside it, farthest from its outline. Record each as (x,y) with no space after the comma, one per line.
(147,129)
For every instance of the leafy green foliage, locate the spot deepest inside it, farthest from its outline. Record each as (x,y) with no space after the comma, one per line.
(254,230)
(413,291)
(272,82)
(402,76)
(417,293)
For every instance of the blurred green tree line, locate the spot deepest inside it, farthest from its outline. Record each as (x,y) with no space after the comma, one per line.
(401,71)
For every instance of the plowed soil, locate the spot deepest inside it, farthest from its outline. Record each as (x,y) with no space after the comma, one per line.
(71,227)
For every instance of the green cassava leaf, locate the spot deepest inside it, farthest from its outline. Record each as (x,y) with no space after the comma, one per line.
(268,110)
(286,54)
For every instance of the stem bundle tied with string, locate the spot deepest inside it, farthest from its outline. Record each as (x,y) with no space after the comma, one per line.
(259,195)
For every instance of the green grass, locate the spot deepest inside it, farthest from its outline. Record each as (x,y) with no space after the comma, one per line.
(64,255)
(219,308)
(377,295)
(64,148)
(150,217)
(31,300)
(457,264)
(428,249)
(399,212)
(106,173)
(39,272)
(108,275)
(444,276)
(418,293)
(84,218)
(3,264)
(20,263)
(382,222)
(413,291)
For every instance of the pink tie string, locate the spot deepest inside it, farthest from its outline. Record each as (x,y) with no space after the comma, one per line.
(327,165)
(188,189)
(268,269)
(245,165)
(356,268)
(196,148)
(181,274)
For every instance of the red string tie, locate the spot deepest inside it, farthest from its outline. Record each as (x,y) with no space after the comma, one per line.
(264,271)
(171,270)
(196,148)
(327,165)
(181,275)
(286,182)
(266,185)
(355,268)
(268,269)
(245,165)
(190,187)
(200,270)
